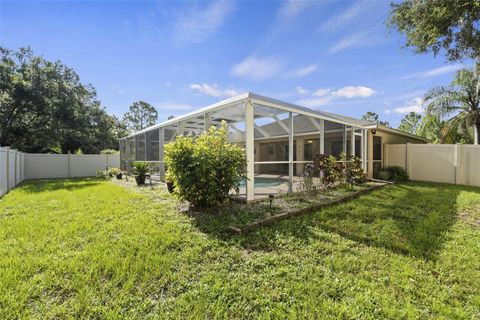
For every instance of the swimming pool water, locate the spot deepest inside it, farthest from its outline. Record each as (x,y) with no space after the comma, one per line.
(265,182)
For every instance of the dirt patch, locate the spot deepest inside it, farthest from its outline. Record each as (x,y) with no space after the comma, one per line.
(469,218)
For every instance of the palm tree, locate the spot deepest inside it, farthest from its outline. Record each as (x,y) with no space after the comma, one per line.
(458,104)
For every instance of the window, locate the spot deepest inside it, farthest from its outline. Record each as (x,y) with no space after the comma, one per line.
(271,150)
(377,154)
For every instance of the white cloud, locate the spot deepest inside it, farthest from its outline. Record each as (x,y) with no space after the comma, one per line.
(301,72)
(388,111)
(292,8)
(414,105)
(315,102)
(322,96)
(213,90)
(197,24)
(168,84)
(321,92)
(353,41)
(442,70)
(301,91)
(174,106)
(344,18)
(354,92)
(257,68)
(435,72)
(116,88)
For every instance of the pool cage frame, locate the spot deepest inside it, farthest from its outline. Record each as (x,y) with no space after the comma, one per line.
(255,121)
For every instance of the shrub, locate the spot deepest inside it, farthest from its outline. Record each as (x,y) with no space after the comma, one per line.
(140,170)
(308,179)
(102,174)
(352,172)
(112,172)
(205,168)
(327,169)
(109,151)
(394,173)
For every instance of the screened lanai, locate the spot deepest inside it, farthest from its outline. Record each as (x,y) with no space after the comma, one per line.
(279,139)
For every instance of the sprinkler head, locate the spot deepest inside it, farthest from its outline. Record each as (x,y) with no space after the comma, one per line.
(271,197)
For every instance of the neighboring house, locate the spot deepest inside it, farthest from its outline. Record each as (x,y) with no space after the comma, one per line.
(262,126)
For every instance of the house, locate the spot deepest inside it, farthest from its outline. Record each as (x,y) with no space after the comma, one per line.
(279,137)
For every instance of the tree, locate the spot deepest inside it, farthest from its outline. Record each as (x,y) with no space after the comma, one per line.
(373,117)
(410,123)
(433,25)
(44,107)
(140,116)
(458,105)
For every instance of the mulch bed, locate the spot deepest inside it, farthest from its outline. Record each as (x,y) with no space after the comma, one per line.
(299,211)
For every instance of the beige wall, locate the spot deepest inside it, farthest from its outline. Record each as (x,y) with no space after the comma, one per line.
(448,163)
(387,138)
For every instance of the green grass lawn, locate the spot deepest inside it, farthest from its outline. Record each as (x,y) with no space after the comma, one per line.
(94,249)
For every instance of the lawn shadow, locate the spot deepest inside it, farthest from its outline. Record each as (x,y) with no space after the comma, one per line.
(411,219)
(69,184)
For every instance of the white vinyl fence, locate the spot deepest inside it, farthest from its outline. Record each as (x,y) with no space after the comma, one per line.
(12,164)
(450,163)
(17,166)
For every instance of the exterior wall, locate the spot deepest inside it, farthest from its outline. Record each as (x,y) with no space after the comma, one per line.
(387,138)
(450,163)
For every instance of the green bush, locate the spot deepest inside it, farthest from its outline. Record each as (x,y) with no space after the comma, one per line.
(140,168)
(327,169)
(109,151)
(205,168)
(394,173)
(112,172)
(102,174)
(352,172)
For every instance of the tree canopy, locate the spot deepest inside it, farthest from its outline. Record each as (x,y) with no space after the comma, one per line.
(140,116)
(373,117)
(410,123)
(436,25)
(458,105)
(45,108)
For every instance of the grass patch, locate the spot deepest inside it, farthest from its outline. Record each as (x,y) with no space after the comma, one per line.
(94,249)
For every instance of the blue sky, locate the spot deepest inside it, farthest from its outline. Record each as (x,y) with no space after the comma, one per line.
(336,56)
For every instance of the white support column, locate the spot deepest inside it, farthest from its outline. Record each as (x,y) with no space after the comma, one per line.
(207,119)
(322,136)
(365,151)
(250,149)
(290,151)
(352,141)
(362,149)
(345,138)
(180,128)
(161,143)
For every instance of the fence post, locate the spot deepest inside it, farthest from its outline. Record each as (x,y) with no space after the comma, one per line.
(458,164)
(69,164)
(108,165)
(8,168)
(15,171)
(408,155)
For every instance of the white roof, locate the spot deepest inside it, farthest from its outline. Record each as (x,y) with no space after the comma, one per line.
(282,106)
(259,100)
